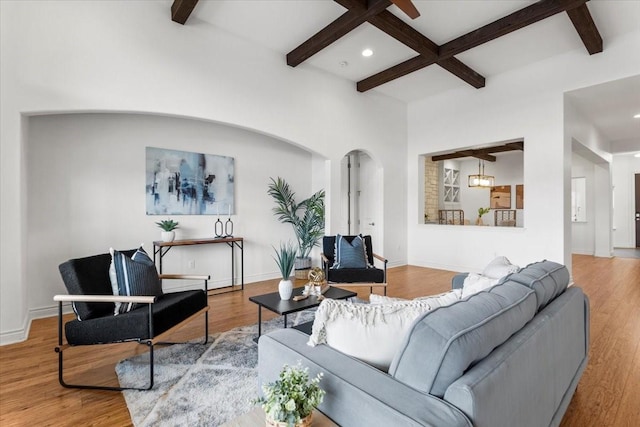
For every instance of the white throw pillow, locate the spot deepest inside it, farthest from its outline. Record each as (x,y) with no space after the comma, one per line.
(443,299)
(475,283)
(382,299)
(499,267)
(369,332)
(439,300)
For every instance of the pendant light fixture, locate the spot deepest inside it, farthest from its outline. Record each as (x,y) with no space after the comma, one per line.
(481,180)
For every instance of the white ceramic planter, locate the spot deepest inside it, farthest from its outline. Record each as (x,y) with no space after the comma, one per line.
(168,236)
(285,288)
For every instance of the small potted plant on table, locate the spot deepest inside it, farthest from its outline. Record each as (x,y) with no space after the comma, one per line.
(167,226)
(285,258)
(481,211)
(290,400)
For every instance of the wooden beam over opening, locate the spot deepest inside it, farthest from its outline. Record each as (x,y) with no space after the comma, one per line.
(586,28)
(181,10)
(481,153)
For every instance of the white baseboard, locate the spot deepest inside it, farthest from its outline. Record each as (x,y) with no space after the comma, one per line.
(19,335)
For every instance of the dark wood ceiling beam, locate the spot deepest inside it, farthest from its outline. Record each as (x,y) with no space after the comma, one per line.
(409,66)
(487,157)
(482,153)
(519,19)
(347,22)
(459,69)
(586,28)
(181,10)
(407,35)
(510,23)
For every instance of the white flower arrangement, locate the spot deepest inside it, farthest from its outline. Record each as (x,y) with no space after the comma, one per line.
(293,396)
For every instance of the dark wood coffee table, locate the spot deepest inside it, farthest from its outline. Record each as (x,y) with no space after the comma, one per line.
(272,302)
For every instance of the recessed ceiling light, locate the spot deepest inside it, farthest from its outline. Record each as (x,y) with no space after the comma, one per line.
(637,116)
(636,155)
(344,64)
(367,53)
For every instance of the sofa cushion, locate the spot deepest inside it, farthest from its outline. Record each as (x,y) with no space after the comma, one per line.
(168,310)
(354,275)
(443,343)
(547,278)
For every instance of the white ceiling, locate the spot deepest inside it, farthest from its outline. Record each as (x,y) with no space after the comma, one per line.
(282,25)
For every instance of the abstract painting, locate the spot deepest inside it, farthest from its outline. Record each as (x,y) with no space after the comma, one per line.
(186,183)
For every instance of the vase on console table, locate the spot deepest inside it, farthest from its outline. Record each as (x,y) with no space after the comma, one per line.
(168,236)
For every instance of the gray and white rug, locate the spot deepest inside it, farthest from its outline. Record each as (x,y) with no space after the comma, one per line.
(196,384)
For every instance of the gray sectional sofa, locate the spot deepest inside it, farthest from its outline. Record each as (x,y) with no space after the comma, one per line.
(508,356)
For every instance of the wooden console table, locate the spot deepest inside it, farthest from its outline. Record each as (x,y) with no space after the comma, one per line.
(161,248)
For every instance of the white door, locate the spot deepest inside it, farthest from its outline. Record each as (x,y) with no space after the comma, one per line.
(370,200)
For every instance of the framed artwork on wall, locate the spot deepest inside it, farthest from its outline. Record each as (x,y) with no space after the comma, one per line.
(186,183)
(519,196)
(500,197)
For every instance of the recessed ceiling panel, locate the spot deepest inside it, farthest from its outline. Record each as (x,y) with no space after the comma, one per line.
(387,52)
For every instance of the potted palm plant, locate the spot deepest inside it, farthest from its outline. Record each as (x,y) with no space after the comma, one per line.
(290,400)
(306,217)
(168,226)
(285,258)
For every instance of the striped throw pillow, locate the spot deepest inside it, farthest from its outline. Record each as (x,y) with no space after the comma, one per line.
(135,276)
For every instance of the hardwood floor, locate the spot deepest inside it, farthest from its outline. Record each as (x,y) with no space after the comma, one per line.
(608,393)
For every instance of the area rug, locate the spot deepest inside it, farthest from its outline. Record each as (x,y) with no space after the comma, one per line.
(196,384)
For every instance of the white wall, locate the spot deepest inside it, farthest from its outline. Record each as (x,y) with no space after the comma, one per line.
(86,180)
(583,233)
(127,56)
(524,103)
(624,169)
(593,155)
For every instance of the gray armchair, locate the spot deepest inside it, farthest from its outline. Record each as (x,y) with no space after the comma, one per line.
(90,292)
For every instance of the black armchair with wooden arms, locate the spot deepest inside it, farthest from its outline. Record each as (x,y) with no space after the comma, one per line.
(368,276)
(151,318)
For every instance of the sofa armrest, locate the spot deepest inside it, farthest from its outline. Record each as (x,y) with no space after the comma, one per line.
(356,393)
(458,280)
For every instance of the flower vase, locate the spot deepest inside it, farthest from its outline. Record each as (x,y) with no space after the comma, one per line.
(168,236)
(285,288)
(479,221)
(305,422)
